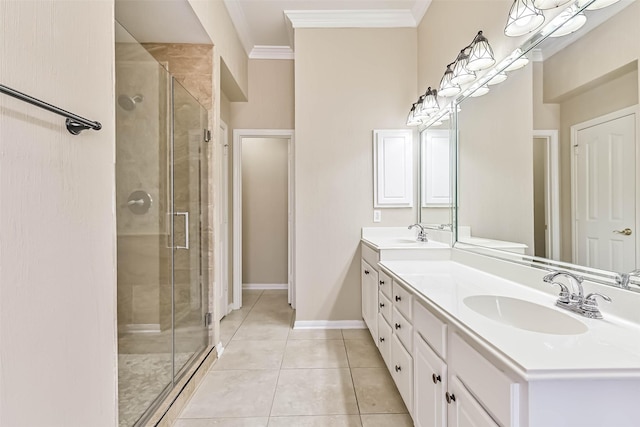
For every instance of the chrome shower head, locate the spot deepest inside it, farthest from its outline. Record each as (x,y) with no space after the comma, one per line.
(128,103)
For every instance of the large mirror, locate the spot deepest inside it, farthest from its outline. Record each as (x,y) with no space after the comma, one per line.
(548,159)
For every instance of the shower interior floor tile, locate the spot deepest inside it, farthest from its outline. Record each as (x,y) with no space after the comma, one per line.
(270,375)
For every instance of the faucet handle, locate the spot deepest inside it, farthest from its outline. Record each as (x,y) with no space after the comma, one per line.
(590,300)
(564,296)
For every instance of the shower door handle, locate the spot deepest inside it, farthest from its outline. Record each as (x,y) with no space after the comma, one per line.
(186,230)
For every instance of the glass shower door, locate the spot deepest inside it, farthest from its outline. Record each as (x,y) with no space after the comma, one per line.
(190,293)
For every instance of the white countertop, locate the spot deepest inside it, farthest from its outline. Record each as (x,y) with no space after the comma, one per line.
(398,238)
(609,349)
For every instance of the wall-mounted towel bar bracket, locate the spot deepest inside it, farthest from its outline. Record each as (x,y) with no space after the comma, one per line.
(75,124)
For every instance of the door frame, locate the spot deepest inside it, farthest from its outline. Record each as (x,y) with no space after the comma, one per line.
(238,136)
(633,110)
(223,245)
(552,202)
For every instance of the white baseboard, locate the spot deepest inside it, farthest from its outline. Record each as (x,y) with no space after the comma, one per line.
(329,324)
(265,286)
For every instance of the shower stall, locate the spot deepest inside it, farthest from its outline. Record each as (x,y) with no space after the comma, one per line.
(161,211)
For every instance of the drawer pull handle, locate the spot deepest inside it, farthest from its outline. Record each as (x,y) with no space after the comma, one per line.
(381,339)
(450,397)
(398,298)
(398,368)
(366,272)
(398,325)
(381,282)
(381,304)
(436,378)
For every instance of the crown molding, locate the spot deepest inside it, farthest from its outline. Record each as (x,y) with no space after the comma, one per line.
(271,52)
(240,23)
(351,18)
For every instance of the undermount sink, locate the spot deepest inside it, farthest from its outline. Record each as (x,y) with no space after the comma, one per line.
(525,315)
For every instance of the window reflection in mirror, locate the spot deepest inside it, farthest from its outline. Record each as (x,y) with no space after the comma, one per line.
(547,159)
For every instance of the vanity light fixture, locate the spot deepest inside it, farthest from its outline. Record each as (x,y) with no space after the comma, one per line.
(498,78)
(549,4)
(567,22)
(520,62)
(461,74)
(524,18)
(481,55)
(412,120)
(598,4)
(447,87)
(479,91)
(420,112)
(430,103)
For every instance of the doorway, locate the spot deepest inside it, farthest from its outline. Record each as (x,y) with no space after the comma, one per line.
(604,191)
(263,231)
(546,194)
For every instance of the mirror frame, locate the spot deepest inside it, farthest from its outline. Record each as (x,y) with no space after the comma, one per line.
(596,275)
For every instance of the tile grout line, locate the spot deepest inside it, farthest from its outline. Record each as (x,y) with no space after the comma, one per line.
(273,400)
(353,384)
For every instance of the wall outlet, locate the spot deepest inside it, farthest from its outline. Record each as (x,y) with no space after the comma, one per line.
(377,216)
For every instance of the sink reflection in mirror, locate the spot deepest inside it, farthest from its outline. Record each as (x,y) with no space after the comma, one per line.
(525,315)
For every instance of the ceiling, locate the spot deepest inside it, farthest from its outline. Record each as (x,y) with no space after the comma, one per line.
(265,26)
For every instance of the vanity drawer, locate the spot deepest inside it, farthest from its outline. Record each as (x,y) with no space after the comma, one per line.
(385,307)
(495,391)
(403,300)
(430,328)
(384,284)
(370,255)
(384,340)
(403,329)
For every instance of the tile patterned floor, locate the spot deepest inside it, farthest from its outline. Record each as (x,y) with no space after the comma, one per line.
(273,376)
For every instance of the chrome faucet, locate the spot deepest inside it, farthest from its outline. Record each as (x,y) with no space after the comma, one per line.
(422,235)
(623,279)
(576,301)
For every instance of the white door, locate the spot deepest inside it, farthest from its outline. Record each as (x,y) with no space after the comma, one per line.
(223,226)
(604,185)
(464,409)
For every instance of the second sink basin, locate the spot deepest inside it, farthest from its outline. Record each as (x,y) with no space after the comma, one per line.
(525,315)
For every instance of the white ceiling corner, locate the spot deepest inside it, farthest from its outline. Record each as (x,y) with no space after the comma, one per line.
(240,23)
(266,27)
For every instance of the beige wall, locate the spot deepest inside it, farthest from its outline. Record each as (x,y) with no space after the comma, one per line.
(271,100)
(546,115)
(348,83)
(57,222)
(216,21)
(448,26)
(265,241)
(496,162)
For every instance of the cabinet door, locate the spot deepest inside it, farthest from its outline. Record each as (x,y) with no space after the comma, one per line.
(430,384)
(370,298)
(464,410)
(402,371)
(393,168)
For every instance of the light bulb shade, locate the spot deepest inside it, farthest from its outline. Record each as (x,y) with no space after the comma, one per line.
(461,74)
(420,112)
(520,61)
(524,18)
(447,87)
(482,90)
(549,4)
(567,23)
(498,78)
(430,103)
(412,120)
(598,4)
(481,55)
